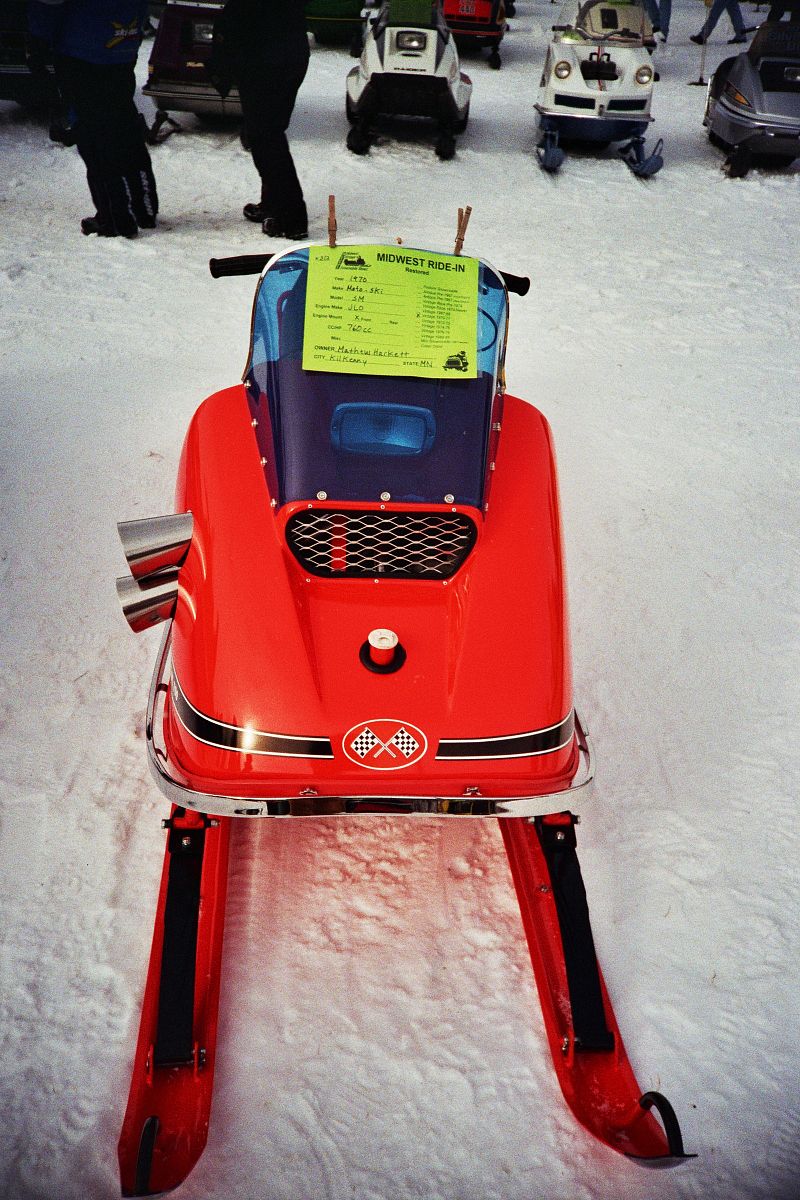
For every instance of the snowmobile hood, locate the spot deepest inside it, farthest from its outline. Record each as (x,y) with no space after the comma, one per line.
(270,688)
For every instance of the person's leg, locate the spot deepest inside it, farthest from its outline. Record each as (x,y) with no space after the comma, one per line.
(664,17)
(737,20)
(268,100)
(92,96)
(714,14)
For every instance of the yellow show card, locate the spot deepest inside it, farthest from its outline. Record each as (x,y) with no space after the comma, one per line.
(385,310)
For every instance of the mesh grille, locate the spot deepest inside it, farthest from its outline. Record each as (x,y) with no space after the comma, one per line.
(400,545)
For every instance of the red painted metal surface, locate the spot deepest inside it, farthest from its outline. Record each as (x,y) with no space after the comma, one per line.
(178,1096)
(487,650)
(600,1087)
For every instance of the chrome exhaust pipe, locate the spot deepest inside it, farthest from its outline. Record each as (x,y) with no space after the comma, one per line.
(156,543)
(145,602)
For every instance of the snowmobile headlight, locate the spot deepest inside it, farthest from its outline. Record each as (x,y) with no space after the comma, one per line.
(411,39)
(202,31)
(644,75)
(562,70)
(736,96)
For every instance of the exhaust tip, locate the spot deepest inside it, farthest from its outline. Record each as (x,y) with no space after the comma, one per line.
(155,544)
(148,601)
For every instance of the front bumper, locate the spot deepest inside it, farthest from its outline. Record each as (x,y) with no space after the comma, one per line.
(308,803)
(760,132)
(177,96)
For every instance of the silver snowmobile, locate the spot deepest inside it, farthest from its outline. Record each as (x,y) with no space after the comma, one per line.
(409,67)
(753,102)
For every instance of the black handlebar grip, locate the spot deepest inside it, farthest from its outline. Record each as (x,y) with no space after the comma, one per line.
(519,284)
(239,264)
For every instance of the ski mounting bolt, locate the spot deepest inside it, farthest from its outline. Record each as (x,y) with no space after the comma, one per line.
(565,1045)
(544,889)
(560,835)
(186,840)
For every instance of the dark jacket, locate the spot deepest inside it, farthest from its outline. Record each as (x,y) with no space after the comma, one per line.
(251,34)
(96,31)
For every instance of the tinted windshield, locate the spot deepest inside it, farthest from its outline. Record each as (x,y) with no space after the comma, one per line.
(365,437)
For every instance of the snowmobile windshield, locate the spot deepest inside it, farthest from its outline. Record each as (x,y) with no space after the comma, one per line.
(604,21)
(365,437)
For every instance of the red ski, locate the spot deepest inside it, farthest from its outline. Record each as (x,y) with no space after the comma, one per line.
(588,1054)
(166,1122)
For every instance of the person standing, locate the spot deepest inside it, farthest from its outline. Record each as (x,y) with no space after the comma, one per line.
(262,46)
(740,31)
(95,44)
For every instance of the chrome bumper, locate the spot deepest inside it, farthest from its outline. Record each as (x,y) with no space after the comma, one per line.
(309,803)
(172,96)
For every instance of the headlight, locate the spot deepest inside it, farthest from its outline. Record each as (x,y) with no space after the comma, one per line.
(644,75)
(202,31)
(736,96)
(562,70)
(411,39)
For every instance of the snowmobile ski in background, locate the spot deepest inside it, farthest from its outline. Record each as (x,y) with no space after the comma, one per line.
(753,102)
(409,67)
(597,83)
(478,23)
(382,490)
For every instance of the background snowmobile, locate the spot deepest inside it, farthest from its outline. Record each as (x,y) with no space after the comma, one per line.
(335,554)
(177,74)
(336,22)
(409,67)
(753,102)
(597,83)
(478,23)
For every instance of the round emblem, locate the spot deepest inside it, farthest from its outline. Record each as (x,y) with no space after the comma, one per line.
(384,745)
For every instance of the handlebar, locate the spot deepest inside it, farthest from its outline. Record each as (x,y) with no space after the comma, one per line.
(253,264)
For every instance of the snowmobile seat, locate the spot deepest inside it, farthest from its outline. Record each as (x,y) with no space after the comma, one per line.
(775,39)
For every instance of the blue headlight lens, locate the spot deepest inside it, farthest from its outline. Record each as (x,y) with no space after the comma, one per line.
(382,429)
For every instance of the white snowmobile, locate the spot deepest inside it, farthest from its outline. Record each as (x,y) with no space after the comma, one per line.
(597,83)
(409,67)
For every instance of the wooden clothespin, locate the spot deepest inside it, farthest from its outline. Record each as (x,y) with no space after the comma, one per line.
(331,221)
(464,215)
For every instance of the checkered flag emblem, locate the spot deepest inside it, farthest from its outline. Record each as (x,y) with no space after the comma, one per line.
(405,743)
(364,742)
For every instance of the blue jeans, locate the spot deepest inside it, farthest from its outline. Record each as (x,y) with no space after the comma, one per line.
(664,14)
(716,11)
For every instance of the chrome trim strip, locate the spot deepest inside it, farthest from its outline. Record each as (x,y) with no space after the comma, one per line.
(305,805)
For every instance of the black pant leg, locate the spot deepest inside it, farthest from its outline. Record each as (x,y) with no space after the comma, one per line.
(110,140)
(268,93)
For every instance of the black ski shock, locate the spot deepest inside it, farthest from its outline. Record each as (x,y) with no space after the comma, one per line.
(174,1043)
(559,846)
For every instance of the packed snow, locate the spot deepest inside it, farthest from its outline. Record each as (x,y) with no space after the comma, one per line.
(381,1037)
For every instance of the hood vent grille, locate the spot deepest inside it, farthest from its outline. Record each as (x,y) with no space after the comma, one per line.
(370,544)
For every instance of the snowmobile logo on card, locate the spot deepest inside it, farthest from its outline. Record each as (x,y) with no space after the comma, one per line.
(384,745)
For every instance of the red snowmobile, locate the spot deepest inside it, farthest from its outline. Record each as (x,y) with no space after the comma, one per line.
(359,530)
(480,24)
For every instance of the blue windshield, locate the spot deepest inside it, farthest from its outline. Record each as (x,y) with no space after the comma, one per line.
(366,437)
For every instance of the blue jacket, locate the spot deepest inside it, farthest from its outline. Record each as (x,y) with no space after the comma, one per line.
(97,31)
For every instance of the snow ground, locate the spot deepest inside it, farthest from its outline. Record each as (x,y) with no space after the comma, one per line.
(380,1035)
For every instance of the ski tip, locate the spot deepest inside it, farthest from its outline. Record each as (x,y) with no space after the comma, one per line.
(144,1160)
(675,1151)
